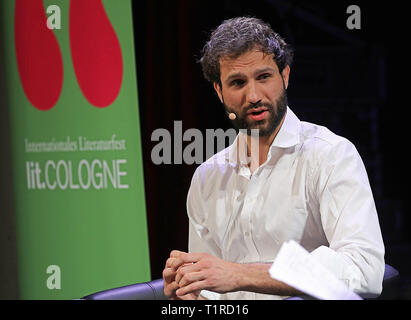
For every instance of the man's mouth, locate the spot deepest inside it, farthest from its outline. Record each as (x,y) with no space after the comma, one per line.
(258,114)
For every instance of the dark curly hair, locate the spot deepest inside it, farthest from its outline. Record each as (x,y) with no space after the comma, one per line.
(238,35)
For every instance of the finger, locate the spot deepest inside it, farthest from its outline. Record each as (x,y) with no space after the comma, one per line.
(190,278)
(173,255)
(169,262)
(169,274)
(176,253)
(187,258)
(181,272)
(178,277)
(170,289)
(172,262)
(185,269)
(189,267)
(191,288)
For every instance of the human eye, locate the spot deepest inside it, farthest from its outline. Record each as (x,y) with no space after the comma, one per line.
(264,76)
(237,83)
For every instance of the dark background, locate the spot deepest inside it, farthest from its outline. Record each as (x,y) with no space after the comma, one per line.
(351,81)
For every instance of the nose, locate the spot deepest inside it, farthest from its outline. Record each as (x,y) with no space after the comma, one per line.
(254,95)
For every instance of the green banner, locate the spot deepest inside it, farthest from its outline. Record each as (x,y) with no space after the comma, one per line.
(76,150)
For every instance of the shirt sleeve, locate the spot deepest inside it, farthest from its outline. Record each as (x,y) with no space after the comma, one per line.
(349,219)
(200,238)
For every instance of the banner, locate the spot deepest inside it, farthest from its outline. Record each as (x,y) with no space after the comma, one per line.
(76,150)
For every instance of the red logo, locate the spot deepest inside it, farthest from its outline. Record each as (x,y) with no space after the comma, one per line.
(94,46)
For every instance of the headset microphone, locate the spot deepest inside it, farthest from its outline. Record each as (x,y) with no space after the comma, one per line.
(231,115)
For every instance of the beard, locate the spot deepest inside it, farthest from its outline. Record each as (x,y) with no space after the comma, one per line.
(266,126)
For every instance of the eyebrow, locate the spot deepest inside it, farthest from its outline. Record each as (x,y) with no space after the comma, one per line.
(240,75)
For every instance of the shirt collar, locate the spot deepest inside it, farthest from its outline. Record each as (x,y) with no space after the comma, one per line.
(288,136)
(289,133)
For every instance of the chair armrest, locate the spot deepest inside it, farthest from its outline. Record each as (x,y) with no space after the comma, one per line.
(152,290)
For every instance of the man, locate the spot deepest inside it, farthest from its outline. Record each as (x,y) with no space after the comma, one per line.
(305,183)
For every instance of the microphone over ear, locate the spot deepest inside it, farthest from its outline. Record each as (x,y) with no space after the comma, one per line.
(231,115)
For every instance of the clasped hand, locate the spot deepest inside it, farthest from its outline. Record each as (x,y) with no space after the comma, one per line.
(186,274)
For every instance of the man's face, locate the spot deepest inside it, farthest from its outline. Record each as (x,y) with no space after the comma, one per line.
(253,88)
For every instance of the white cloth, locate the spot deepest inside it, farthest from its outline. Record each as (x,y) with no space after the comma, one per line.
(313,189)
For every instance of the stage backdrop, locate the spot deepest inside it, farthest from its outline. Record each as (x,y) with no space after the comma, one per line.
(76,151)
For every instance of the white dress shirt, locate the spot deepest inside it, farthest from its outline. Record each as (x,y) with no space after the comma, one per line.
(313,188)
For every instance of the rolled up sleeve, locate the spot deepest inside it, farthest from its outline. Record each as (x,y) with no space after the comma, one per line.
(350,222)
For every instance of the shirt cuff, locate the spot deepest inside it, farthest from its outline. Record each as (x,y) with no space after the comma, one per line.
(339,265)
(210,295)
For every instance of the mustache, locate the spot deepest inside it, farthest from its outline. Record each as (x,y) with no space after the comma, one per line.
(251,106)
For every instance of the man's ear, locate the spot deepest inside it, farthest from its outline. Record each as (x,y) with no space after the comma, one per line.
(286,75)
(219,90)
